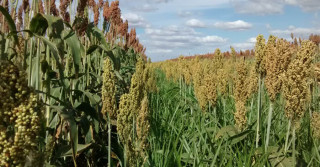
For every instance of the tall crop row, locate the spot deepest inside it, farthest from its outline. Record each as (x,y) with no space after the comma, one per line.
(65,74)
(287,72)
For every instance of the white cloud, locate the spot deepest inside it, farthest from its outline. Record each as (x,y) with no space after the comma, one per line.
(243,46)
(161,51)
(144,8)
(264,7)
(177,38)
(249,44)
(306,5)
(135,20)
(211,39)
(195,23)
(297,31)
(252,40)
(260,7)
(185,13)
(160,1)
(234,25)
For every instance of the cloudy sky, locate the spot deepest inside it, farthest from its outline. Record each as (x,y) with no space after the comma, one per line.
(169,28)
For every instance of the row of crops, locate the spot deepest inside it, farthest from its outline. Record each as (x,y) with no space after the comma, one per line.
(252,111)
(74,88)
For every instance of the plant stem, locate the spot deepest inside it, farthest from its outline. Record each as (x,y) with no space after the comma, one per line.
(30,64)
(258,112)
(250,114)
(269,125)
(294,144)
(109,140)
(287,137)
(38,66)
(224,112)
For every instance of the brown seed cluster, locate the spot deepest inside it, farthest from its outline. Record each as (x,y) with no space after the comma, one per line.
(272,81)
(20,20)
(101,3)
(21,115)
(209,90)
(53,8)
(82,4)
(95,8)
(63,10)
(40,6)
(297,80)
(278,54)
(241,94)
(118,29)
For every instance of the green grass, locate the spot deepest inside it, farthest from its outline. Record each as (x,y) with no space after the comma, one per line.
(183,135)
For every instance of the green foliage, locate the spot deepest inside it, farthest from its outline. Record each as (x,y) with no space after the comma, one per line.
(182,135)
(66,73)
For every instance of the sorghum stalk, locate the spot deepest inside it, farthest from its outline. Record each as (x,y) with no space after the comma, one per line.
(258,112)
(287,137)
(269,125)
(260,58)
(109,140)
(294,144)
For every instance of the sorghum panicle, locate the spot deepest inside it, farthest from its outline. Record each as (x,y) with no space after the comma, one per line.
(272,80)
(260,54)
(20,109)
(241,94)
(143,127)
(109,90)
(297,80)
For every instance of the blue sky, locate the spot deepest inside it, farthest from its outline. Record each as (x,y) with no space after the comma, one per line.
(169,28)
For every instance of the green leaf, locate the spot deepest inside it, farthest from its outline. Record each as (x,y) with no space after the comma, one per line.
(109,53)
(53,123)
(271,150)
(99,78)
(117,54)
(10,22)
(91,49)
(56,26)
(69,117)
(282,161)
(88,110)
(90,97)
(80,149)
(44,66)
(38,24)
(74,43)
(119,77)
(239,137)
(226,131)
(55,52)
(97,33)
(74,138)
(112,57)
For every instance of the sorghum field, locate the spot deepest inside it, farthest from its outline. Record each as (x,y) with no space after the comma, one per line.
(76,89)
